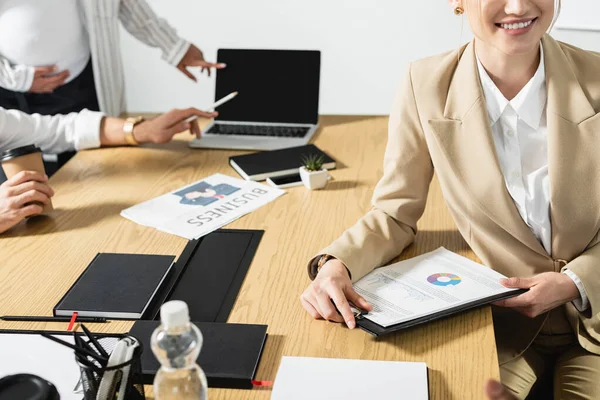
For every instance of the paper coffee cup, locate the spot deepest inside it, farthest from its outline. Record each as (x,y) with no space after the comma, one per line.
(26,158)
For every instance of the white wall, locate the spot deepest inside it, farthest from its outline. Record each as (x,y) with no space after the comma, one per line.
(366,46)
(580,14)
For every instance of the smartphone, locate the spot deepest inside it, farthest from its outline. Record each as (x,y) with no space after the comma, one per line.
(285,181)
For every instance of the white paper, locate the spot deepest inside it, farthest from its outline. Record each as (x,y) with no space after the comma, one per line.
(34,354)
(202,207)
(425,285)
(301,378)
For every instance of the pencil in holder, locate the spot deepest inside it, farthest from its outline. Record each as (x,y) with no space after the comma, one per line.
(117,380)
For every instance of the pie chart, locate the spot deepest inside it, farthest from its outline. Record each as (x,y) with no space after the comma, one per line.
(444,279)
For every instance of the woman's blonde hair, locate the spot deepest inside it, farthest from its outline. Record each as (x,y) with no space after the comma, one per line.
(557,6)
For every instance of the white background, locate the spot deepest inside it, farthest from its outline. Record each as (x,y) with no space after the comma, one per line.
(366,46)
(580,14)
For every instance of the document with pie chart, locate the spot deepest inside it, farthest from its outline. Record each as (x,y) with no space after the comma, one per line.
(427,287)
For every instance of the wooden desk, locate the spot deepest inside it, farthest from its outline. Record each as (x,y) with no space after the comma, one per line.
(42,258)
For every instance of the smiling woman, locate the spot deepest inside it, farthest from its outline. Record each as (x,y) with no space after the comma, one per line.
(509,124)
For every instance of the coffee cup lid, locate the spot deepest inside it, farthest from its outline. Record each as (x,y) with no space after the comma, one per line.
(27,387)
(18,152)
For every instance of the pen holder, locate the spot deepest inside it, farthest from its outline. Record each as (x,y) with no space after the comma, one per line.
(129,371)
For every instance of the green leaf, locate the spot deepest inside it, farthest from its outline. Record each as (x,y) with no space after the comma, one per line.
(313,162)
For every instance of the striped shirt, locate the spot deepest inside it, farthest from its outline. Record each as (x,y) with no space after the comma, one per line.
(101,20)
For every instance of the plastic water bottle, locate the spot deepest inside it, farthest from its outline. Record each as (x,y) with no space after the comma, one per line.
(176,343)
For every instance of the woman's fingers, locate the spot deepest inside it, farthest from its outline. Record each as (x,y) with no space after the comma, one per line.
(25,176)
(518,283)
(523,300)
(30,197)
(358,300)
(187,73)
(194,128)
(41,71)
(342,305)
(310,309)
(32,185)
(30,210)
(327,309)
(177,128)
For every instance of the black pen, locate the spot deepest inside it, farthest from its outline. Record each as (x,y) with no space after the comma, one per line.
(94,341)
(26,318)
(82,351)
(83,360)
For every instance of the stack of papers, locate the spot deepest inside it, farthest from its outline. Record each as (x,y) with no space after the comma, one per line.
(202,207)
(301,378)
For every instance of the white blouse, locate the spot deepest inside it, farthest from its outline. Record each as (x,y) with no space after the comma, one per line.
(520,133)
(42,33)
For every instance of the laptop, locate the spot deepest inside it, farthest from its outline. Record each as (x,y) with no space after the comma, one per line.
(278,102)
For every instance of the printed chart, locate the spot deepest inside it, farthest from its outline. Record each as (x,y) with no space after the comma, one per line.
(444,279)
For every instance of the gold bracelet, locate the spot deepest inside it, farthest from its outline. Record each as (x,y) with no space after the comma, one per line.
(130,123)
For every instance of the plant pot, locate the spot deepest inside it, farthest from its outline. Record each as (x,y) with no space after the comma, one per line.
(314,179)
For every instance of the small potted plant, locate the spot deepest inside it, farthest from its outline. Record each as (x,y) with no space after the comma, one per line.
(312,173)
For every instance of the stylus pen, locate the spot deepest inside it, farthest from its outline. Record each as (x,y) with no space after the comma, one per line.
(52,319)
(216,104)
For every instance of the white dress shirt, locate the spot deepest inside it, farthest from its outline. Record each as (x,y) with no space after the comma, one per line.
(53,134)
(43,33)
(520,133)
(100,20)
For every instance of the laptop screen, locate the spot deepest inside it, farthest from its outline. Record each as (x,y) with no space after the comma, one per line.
(273,85)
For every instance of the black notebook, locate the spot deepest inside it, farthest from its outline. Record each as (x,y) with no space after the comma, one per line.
(229,356)
(269,164)
(208,291)
(116,286)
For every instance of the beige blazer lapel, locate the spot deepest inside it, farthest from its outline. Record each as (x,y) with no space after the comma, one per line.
(465,137)
(573,158)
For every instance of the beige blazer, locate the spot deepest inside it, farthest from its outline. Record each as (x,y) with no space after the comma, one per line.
(440,122)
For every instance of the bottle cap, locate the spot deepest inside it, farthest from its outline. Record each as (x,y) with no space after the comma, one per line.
(174,314)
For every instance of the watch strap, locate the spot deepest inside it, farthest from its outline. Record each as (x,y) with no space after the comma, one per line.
(322,260)
(128,126)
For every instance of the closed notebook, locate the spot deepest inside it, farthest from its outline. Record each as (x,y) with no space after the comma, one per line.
(229,356)
(116,286)
(300,378)
(269,164)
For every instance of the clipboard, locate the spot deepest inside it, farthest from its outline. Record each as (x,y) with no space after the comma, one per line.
(363,322)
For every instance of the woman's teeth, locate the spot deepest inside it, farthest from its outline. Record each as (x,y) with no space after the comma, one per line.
(519,25)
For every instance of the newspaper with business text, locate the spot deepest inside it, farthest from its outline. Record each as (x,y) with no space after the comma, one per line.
(203,206)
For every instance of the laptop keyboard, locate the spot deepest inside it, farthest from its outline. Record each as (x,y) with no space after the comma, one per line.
(259,130)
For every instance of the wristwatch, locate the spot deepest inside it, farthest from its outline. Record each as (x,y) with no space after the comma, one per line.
(322,260)
(130,123)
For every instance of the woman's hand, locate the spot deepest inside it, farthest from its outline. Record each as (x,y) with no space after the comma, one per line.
(494,390)
(333,283)
(162,128)
(194,58)
(546,291)
(21,196)
(45,82)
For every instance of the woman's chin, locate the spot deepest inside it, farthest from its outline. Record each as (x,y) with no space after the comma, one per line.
(518,47)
